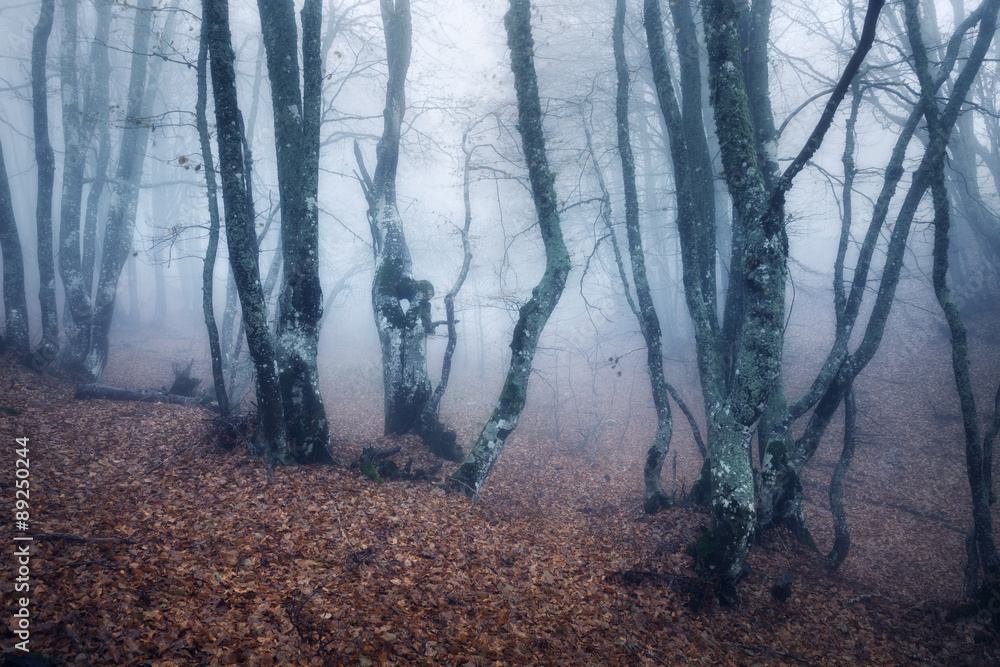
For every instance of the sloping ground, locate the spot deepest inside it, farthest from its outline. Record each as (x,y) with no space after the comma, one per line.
(227,562)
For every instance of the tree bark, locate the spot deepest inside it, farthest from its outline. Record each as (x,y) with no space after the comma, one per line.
(45,158)
(15,300)
(402,333)
(241,234)
(533,315)
(211,252)
(644,311)
(77,311)
(120,224)
(296,137)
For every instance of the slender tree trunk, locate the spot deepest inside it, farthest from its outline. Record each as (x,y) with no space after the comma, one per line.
(296,136)
(15,301)
(644,310)
(208,271)
(533,315)
(120,225)
(49,346)
(241,234)
(77,313)
(938,134)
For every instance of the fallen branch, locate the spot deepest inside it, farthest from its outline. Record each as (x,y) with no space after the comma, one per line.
(108,393)
(180,451)
(69,537)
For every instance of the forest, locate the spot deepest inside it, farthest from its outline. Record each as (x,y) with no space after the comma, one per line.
(617,332)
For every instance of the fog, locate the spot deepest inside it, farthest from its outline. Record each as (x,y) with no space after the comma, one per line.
(589,389)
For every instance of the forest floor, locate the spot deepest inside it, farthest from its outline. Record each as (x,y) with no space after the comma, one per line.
(209,557)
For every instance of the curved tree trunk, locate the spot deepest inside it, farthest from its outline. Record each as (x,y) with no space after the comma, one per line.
(402,331)
(536,311)
(208,270)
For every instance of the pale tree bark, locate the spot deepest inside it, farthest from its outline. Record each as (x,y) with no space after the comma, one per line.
(98,104)
(15,301)
(402,332)
(45,158)
(533,315)
(241,234)
(296,136)
(120,224)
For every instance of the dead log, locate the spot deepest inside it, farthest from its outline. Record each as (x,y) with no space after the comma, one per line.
(108,393)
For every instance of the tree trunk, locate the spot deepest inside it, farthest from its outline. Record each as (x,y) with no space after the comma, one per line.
(120,224)
(644,311)
(77,311)
(98,107)
(241,234)
(939,129)
(533,315)
(296,137)
(208,271)
(402,332)
(46,351)
(15,301)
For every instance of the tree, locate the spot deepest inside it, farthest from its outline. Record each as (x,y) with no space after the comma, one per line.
(296,137)
(644,310)
(533,315)
(47,349)
(739,362)
(240,233)
(208,271)
(120,223)
(14,298)
(403,331)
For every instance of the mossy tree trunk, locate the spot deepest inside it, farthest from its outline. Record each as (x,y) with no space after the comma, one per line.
(536,311)
(241,233)
(401,303)
(15,300)
(296,102)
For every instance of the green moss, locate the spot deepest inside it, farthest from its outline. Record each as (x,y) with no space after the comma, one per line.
(9,411)
(368,470)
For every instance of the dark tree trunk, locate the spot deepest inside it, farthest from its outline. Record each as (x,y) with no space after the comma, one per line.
(645,311)
(45,158)
(208,271)
(98,113)
(241,235)
(15,301)
(939,128)
(536,311)
(296,137)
